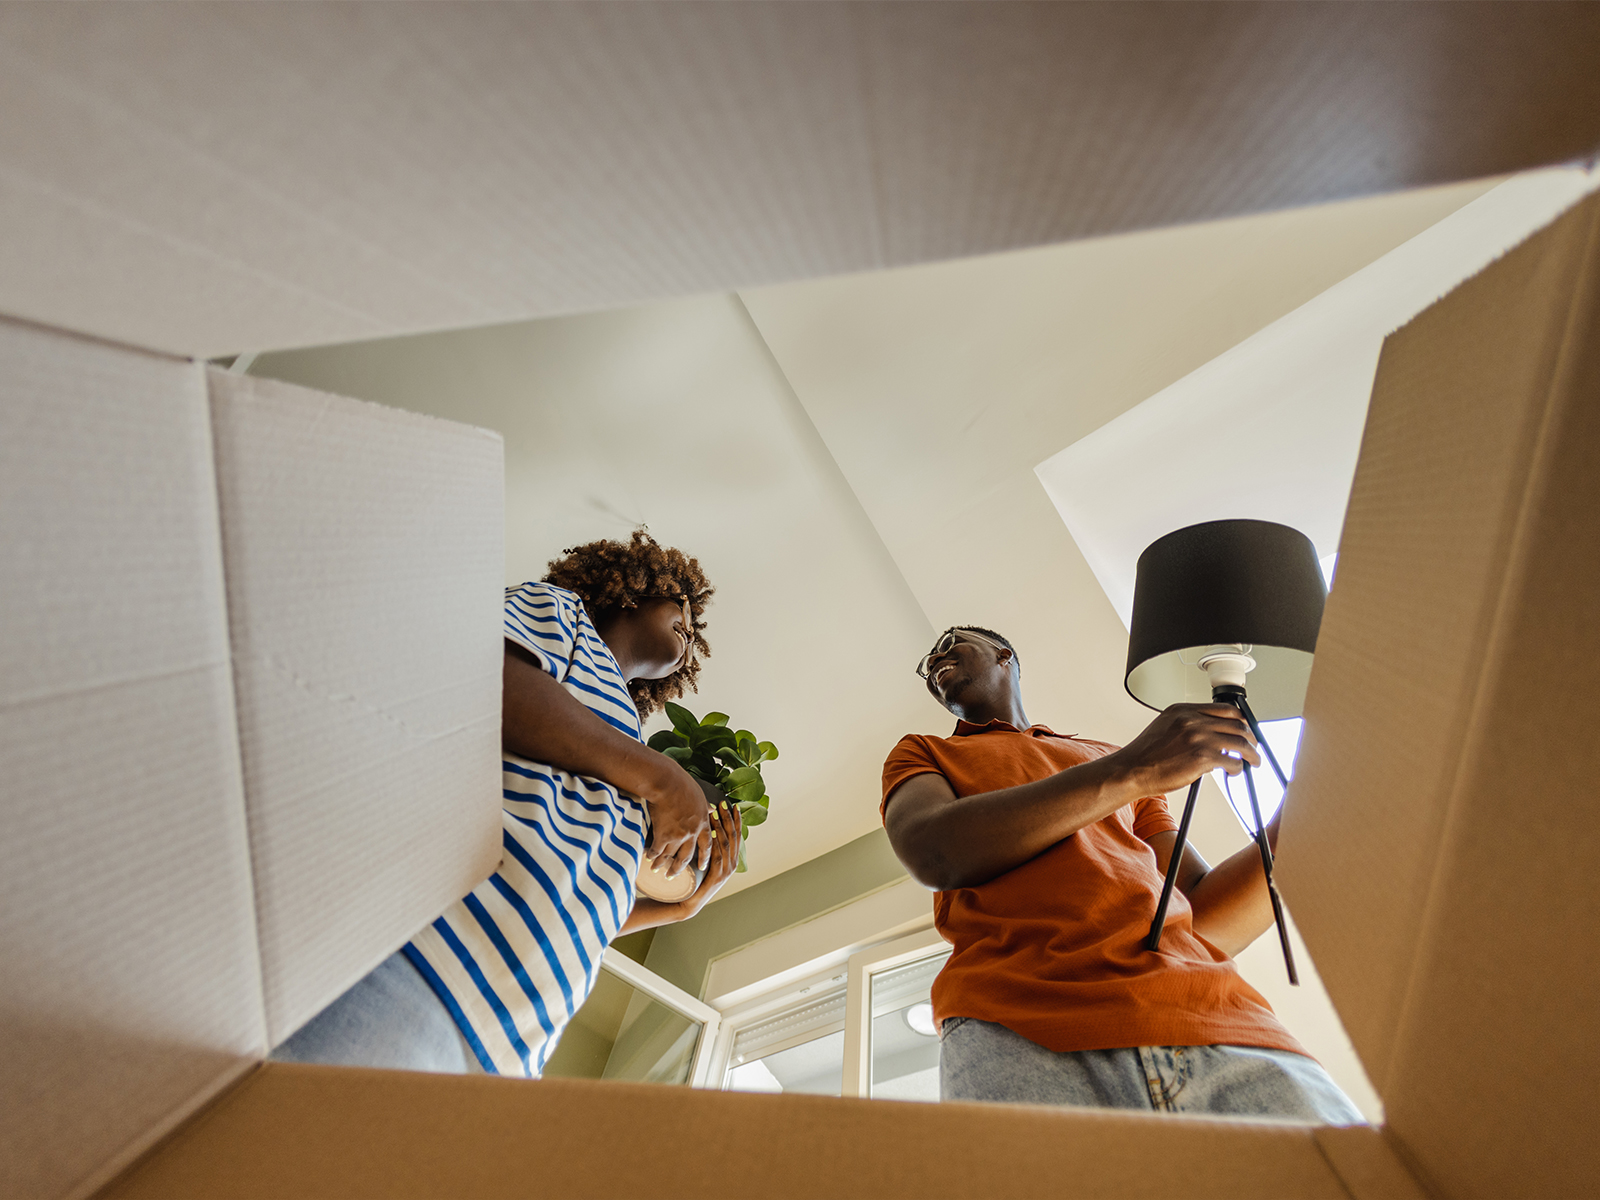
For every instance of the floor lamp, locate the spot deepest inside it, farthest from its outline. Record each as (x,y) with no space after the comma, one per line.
(1214,606)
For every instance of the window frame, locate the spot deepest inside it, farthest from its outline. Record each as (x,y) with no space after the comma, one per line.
(643,979)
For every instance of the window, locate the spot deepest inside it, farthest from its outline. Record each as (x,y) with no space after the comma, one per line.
(861,1028)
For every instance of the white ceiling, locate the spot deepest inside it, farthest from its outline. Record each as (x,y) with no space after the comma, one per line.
(1272,428)
(854,466)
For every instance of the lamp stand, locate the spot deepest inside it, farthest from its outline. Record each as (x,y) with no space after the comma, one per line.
(1228,688)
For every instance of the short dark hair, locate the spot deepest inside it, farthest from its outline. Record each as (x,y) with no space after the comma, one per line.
(992,636)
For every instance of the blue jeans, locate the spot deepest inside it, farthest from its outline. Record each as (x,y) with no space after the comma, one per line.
(390,1018)
(979,1060)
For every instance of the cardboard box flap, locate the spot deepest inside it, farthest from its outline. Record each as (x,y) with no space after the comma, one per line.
(1439,851)
(216,178)
(129,986)
(364,549)
(309,1132)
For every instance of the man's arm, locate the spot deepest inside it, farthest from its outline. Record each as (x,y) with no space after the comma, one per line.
(1230,901)
(541,721)
(948,841)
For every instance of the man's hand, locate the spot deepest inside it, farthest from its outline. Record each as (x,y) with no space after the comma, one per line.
(1182,744)
(680,819)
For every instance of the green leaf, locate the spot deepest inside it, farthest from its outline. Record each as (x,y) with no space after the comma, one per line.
(679,754)
(714,718)
(741,867)
(752,814)
(663,738)
(715,737)
(747,793)
(682,719)
(748,751)
(768,750)
(745,735)
(731,759)
(743,775)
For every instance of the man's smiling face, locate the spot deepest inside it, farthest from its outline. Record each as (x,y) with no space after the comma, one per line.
(965,668)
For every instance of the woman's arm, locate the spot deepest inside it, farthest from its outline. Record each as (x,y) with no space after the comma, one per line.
(541,721)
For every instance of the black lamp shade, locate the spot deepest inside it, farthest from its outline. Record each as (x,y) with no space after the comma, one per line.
(1220,584)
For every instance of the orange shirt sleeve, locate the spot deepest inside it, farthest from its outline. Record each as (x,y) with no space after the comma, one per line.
(1151,816)
(909,757)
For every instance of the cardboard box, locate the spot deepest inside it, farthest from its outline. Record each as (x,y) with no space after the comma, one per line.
(249,676)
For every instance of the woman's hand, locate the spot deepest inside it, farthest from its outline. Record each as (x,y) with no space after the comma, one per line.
(680,818)
(727,833)
(648,913)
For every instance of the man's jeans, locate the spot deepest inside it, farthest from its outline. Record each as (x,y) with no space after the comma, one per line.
(979,1060)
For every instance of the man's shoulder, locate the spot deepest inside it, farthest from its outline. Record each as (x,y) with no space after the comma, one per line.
(917,745)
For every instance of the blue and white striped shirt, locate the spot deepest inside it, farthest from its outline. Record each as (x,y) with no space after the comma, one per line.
(516,959)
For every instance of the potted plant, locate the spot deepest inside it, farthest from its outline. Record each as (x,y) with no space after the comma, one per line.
(728,760)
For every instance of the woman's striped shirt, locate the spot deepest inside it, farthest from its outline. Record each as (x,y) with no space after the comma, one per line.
(515,960)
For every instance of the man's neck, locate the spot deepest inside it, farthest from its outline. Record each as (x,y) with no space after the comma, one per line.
(981,714)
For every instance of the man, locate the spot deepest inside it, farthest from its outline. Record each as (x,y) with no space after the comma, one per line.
(1047,852)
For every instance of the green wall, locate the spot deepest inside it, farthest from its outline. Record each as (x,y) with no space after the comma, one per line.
(682,953)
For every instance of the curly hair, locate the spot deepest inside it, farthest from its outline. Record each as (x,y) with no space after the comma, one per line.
(609,575)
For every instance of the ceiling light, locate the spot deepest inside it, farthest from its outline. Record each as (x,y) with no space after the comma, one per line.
(920,1018)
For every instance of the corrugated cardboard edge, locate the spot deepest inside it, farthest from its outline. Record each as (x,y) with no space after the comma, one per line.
(175,1121)
(312,1131)
(1367,1163)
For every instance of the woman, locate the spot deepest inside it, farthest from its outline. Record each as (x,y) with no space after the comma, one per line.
(607,637)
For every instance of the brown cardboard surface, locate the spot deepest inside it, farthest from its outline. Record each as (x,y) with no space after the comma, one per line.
(215,178)
(1439,849)
(325,1131)
(1366,1163)
(129,986)
(364,551)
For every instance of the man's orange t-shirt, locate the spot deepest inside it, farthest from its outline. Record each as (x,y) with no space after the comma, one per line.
(1054,948)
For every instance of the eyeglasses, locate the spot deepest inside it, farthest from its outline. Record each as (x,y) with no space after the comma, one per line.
(688,626)
(944,645)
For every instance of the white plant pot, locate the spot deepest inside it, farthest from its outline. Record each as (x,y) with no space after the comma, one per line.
(655,884)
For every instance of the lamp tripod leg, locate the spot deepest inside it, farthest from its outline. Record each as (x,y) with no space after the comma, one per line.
(1153,942)
(1255,728)
(1266,866)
